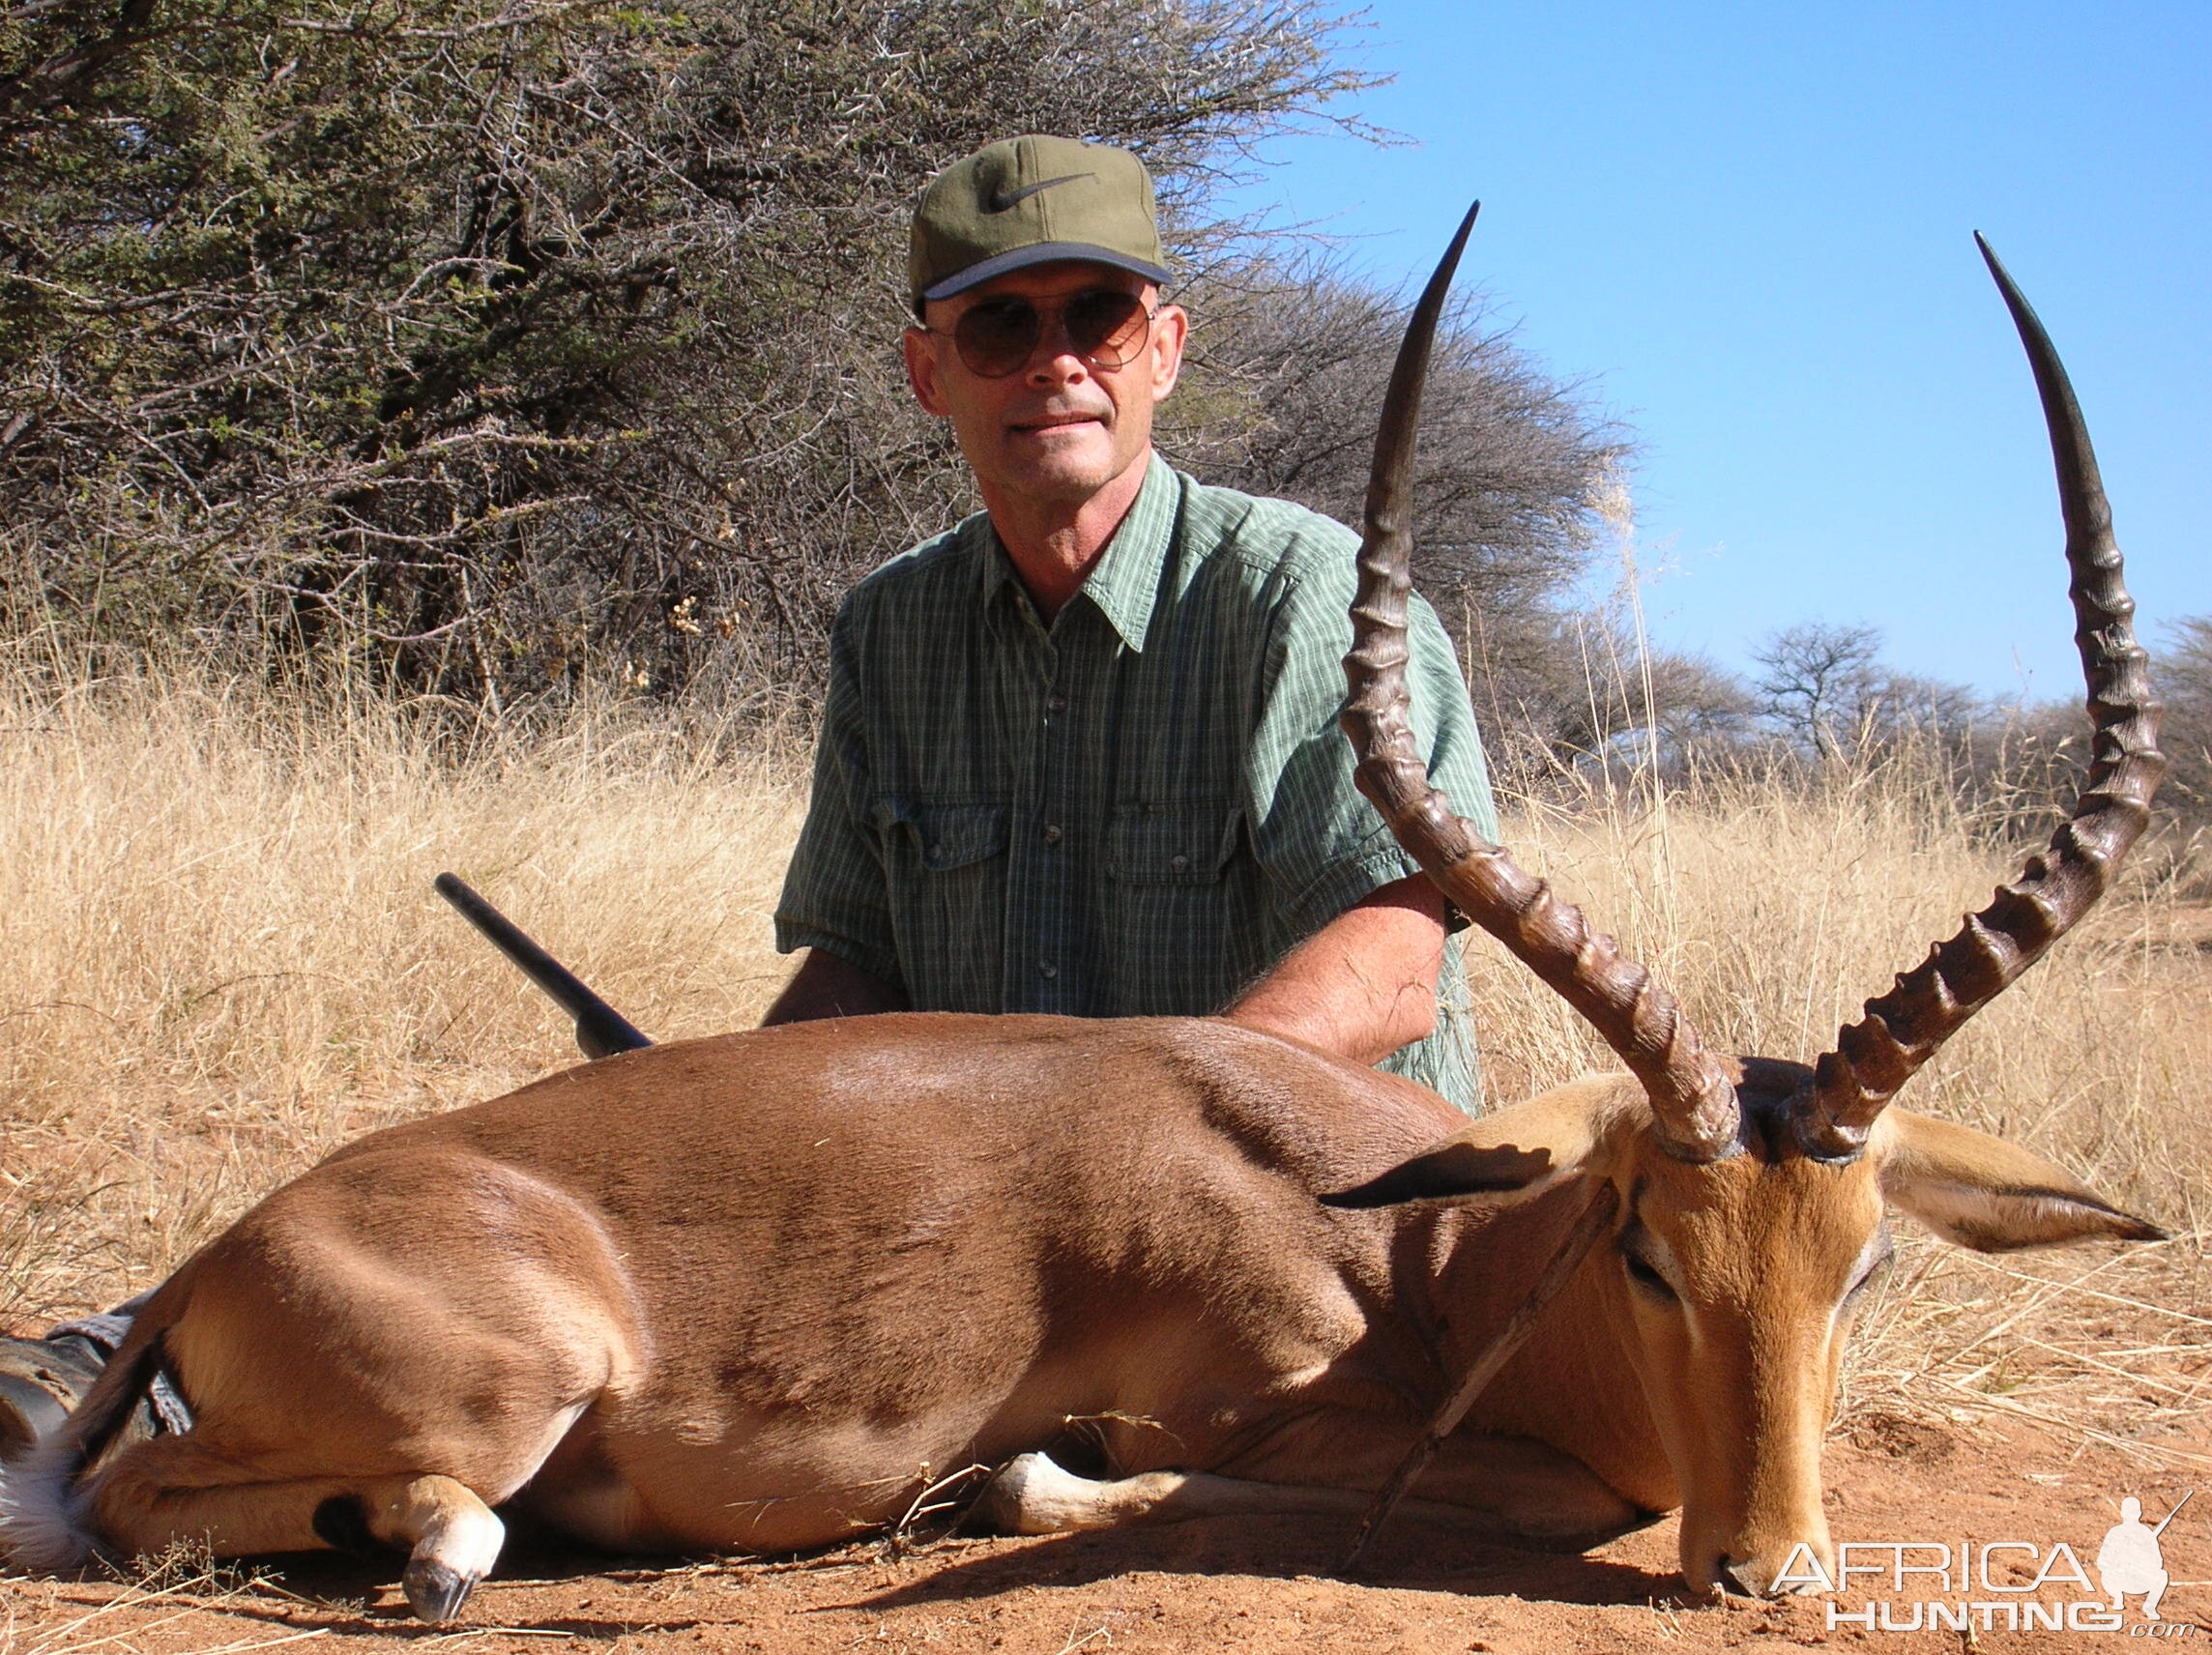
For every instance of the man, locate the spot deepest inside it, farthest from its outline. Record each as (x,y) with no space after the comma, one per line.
(1079,753)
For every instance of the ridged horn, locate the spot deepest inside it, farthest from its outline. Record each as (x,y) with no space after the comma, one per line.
(1929,1003)
(1692,1089)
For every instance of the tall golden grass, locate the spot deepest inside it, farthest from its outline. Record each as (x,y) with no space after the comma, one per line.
(221,957)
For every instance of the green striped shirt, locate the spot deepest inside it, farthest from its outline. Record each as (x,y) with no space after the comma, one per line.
(1135,810)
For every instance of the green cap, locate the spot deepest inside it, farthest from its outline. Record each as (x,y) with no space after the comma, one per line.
(1023,201)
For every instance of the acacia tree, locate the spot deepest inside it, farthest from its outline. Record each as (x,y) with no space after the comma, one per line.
(1815,680)
(490,333)
(513,342)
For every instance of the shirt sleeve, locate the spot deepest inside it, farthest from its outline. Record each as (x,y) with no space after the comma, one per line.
(1321,845)
(836,895)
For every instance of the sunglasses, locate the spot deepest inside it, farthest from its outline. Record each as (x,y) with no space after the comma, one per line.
(1105,327)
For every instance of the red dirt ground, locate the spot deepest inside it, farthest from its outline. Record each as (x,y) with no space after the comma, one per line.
(1257,1587)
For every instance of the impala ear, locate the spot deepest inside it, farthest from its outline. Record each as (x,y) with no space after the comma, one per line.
(1452,1169)
(1983,1193)
(1515,1151)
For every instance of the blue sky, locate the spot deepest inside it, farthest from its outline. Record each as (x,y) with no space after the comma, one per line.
(1747,230)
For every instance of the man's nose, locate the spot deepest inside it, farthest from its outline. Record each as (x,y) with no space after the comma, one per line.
(1054,359)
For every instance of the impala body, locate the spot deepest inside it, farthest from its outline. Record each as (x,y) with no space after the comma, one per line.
(757,1291)
(760,1291)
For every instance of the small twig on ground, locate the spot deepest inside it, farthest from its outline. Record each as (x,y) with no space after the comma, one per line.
(898,1541)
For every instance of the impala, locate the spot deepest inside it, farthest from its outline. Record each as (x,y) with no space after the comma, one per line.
(756,1291)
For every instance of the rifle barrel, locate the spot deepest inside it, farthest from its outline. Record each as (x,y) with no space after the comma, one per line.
(601,1030)
(2172,1515)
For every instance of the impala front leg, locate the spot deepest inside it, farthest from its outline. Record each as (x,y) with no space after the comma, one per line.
(1505,1486)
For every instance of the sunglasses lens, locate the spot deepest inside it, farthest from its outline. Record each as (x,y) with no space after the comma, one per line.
(995,337)
(1105,327)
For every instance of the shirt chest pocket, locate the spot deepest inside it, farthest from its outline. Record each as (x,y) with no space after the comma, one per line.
(945,880)
(1177,898)
(1171,844)
(939,839)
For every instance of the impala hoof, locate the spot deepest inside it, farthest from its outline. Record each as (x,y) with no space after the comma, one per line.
(436,1591)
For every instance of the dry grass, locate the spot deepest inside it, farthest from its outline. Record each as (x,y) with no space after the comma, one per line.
(221,957)
(181,1601)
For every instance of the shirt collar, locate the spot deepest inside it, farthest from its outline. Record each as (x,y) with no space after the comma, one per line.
(1125,581)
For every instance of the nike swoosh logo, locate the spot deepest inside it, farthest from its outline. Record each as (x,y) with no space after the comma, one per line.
(1007,200)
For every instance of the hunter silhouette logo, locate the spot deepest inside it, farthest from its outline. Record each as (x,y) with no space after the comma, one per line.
(1994,1585)
(2130,1559)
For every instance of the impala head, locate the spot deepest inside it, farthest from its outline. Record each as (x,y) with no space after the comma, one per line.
(1750,1194)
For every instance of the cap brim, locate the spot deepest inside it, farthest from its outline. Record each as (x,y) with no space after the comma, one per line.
(1041,252)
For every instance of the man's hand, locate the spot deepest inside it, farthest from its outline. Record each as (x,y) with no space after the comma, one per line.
(1365,984)
(825,985)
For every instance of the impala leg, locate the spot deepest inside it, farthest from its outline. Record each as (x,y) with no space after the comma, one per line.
(1528,1490)
(1506,1486)
(171,1488)
(451,1537)
(1033,1495)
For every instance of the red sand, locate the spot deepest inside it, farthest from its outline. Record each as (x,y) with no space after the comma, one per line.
(1262,1588)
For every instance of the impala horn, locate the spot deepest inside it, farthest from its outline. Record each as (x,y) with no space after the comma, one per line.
(1927,1005)
(1692,1089)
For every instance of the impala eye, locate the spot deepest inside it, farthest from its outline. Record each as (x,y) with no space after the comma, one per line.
(1641,1272)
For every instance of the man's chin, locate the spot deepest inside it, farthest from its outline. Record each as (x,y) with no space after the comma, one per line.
(1065,468)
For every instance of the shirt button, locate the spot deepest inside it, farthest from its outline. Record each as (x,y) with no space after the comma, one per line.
(1057,703)
(1179,864)
(1046,969)
(1052,834)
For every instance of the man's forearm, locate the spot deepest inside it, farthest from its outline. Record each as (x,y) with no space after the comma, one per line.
(828,985)
(1362,986)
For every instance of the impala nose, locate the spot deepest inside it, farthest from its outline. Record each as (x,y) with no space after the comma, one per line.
(1746,1577)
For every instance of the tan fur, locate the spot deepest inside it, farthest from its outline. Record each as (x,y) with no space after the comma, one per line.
(1716,1397)
(754,1292)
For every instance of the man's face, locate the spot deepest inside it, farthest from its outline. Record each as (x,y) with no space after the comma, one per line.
(1057,429)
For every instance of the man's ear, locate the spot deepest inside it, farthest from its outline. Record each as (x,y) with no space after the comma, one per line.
(919,346)
(1981,1192)
(1517,1151)
(1171,329)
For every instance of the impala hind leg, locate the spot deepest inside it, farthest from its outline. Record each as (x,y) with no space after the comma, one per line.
(451,1537)
(172,1489)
